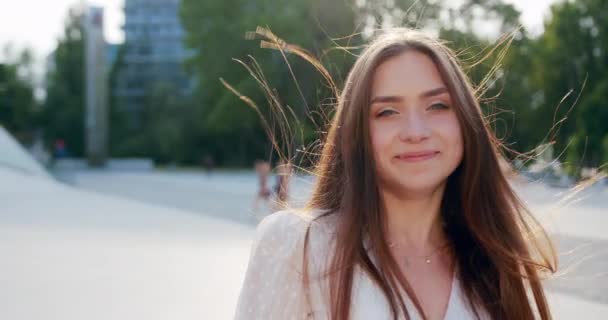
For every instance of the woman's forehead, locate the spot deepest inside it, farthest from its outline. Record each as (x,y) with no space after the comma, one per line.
(411,74)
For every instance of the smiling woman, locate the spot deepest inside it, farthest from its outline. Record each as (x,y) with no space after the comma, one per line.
(411,216)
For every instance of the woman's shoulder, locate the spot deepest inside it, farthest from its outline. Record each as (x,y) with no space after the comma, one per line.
(293,222)
(286,232)
(273,287)
(285,219)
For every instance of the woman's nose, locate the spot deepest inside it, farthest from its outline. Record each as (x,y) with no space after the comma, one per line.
(415,128)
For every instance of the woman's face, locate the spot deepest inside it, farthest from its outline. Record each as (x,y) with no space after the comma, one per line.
(415,133)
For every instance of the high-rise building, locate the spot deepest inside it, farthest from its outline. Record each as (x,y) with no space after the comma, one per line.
(153,52)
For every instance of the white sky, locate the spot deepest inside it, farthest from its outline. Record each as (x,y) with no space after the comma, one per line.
(38,23)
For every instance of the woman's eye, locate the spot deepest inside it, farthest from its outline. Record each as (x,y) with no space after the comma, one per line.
(386,112)
(438,106)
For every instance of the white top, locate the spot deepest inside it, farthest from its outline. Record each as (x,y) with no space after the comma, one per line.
(273,287)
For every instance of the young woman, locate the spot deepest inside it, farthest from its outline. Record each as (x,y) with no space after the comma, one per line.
(411,216)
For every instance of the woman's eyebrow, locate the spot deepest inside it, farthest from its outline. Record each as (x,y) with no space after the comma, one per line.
(434,92)
(381,99)
(427,94)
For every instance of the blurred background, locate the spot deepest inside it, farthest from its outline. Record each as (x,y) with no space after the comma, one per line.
(127,175)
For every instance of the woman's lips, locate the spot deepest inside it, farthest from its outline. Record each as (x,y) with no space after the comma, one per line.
(417,156)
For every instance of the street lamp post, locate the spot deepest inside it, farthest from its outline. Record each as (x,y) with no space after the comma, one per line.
(96,83)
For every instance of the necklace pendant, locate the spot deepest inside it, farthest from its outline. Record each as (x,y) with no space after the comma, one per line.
(428,261)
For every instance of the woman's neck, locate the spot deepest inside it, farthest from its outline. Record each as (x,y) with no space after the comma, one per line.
(414,223)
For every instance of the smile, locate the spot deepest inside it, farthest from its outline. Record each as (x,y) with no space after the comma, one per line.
(417,156)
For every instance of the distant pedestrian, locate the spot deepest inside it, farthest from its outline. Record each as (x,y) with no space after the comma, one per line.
(60,149)
(208,164)
(262,169)
(281,187)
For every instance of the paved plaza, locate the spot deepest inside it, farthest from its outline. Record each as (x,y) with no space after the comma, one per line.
(188,261)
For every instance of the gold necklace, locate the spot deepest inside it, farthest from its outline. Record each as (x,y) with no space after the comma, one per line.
(427,258)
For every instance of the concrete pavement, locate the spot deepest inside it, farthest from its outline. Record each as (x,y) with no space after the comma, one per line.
(189,262)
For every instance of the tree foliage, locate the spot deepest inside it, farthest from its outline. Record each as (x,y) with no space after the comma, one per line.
(232,128)
(18,106)
(569,73)
(549,88)
(65,101)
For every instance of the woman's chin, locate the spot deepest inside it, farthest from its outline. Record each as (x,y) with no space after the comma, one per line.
(414,188)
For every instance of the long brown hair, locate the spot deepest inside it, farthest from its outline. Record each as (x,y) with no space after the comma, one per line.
(495,239)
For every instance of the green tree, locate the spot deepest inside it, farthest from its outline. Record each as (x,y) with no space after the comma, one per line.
(161,133)
(591,127)
(521,96)
(65,101)
(573,57)
(225,126)
(18,106)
